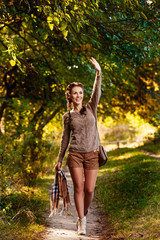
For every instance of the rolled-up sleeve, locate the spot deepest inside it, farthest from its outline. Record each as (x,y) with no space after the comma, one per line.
(65,138)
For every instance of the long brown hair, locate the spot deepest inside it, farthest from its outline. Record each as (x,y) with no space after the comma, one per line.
(68,96)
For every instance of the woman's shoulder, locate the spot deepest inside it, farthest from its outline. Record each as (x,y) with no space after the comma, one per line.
(88,106)
(90,109)
(66,115)
(66,118)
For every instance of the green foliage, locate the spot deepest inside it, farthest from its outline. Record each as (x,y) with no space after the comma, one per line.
(16,164)
(128,190)
(10,162)
(45,45)
(126,127)
(155,120)
(22,210)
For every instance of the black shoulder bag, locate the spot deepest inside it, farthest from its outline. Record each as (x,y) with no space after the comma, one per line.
(102,152)
(102,156)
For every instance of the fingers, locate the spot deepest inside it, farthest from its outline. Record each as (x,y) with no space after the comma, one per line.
(93,60)
(58,167)
(95,64)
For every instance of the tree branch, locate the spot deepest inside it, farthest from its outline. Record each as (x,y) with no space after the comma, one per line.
(49,119)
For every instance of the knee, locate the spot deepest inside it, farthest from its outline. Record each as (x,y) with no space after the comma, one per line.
(79,188)
(89,191)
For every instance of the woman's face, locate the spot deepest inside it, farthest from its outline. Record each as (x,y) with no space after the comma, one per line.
(77,95)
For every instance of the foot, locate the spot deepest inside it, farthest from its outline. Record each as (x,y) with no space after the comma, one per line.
(81,226)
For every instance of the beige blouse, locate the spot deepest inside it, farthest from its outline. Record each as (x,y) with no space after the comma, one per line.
(80,131)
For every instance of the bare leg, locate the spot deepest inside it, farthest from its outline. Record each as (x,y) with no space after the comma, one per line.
(77,177)
(90,181)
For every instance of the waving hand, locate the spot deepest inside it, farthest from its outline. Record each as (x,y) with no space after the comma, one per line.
(96,65)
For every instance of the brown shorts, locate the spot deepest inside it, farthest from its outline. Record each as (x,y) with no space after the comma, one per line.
(83,160)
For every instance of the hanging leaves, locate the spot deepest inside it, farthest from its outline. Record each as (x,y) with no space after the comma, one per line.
(50,22)
(65,33)
(12,62)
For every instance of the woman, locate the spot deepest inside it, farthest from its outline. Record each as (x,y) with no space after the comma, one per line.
(80,124)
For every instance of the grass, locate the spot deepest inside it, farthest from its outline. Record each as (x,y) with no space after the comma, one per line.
(23,209)
(151,147)
(128,190)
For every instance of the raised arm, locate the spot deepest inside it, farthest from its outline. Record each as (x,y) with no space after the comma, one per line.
(96,92)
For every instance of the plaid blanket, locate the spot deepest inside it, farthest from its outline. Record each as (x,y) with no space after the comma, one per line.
(60,191)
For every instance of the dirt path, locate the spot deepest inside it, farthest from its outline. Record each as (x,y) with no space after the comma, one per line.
(151,154)
(59,228)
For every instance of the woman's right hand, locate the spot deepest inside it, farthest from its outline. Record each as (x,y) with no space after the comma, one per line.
(58,167)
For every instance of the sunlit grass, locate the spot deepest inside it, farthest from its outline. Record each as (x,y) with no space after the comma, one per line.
(23,209)
(128,190)
(17,231)
(152,147)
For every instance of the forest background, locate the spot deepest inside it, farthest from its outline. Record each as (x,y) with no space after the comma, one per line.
(47,44)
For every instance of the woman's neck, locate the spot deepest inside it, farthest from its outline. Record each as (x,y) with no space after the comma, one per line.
(77,108)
